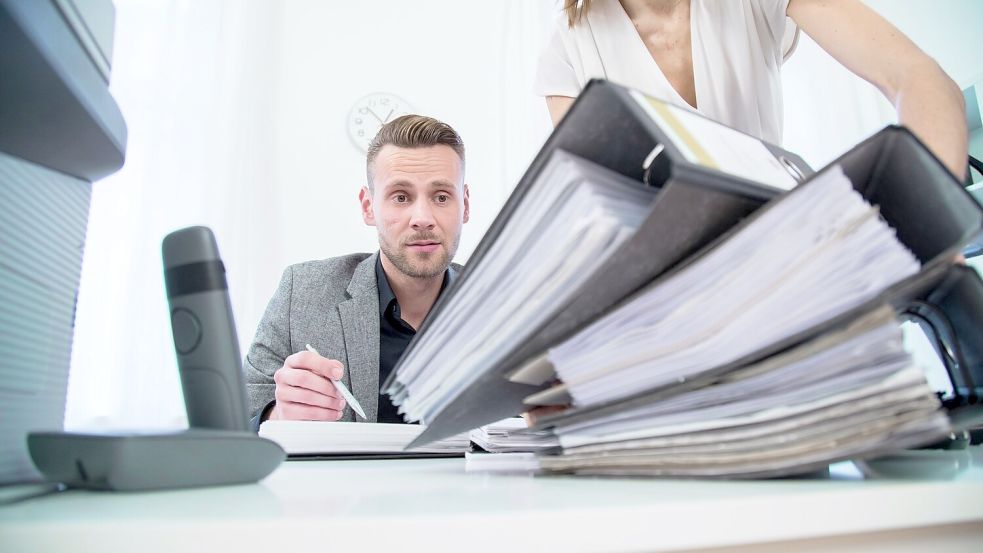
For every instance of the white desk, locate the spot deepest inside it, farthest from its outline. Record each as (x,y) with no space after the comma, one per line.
(434,505)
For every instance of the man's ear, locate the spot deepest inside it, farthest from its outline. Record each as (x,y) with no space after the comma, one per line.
(467,204)
(365,198)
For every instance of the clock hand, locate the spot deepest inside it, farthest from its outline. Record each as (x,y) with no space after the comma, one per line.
(381,122)
(388,115)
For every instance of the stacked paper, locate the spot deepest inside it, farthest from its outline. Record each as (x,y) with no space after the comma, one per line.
(686,342)
(848,395)
(512,435)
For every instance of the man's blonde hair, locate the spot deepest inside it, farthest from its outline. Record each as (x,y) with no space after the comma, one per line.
(413,131)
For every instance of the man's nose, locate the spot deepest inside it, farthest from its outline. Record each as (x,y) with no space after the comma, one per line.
(422,216)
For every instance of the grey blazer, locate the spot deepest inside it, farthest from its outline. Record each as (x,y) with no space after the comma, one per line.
(333,305)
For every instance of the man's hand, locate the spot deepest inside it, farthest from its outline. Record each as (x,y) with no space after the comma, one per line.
(304,390)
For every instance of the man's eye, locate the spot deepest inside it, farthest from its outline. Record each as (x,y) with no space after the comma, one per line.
(443,198)
(400,198)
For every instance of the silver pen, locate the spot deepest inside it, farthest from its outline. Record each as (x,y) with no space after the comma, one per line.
(340,386)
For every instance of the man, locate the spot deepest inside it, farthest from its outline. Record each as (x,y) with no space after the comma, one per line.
(360,311)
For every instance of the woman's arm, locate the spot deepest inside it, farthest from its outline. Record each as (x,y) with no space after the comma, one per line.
(558,106)
(927,101)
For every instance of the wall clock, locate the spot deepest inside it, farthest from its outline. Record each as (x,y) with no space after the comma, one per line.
(370,112)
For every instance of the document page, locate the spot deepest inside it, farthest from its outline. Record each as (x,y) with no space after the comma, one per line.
(513,435)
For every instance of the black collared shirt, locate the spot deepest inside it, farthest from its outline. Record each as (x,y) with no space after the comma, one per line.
(394,335)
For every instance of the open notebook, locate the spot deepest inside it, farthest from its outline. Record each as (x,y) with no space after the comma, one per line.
(315,439)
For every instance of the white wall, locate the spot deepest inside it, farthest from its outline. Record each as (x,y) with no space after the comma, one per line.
(465,63)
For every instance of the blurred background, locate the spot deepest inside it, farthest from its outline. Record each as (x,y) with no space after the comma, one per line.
(238,117)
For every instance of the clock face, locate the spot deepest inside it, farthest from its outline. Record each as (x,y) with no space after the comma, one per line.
(371,112)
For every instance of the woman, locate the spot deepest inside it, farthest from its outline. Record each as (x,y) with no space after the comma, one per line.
(723,58)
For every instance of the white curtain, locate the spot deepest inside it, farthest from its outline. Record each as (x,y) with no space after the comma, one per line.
(193,82)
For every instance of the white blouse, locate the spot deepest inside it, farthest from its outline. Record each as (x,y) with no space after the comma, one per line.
(738,49)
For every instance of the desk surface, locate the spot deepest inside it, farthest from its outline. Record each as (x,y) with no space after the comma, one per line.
(434,505)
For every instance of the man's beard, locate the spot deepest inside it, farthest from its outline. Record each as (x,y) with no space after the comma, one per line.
(433,265)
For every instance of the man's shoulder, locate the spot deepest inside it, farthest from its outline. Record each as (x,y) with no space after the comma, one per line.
(333,276)
(332,267)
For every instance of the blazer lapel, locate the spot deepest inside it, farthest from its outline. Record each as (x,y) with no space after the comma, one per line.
(360,325)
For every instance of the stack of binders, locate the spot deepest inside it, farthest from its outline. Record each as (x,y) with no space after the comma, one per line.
(633,278)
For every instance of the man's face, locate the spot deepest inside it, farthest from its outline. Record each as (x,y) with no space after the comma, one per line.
(418,203)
